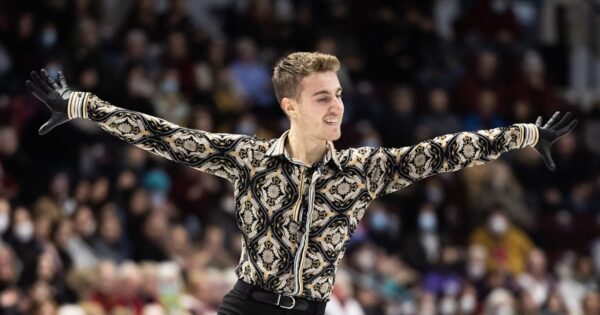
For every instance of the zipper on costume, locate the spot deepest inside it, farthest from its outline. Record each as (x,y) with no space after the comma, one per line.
(301,253)
(298,203)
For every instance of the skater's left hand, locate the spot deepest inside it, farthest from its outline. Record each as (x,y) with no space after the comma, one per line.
(556,127)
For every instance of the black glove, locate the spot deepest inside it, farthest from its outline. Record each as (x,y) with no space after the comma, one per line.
(55,96)
(556,127)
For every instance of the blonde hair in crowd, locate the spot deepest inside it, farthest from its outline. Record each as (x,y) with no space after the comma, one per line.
(290,70)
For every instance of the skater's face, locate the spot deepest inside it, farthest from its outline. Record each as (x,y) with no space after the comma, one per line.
(318,109)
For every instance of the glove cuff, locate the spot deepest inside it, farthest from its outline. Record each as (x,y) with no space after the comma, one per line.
(77,106)
(529,135)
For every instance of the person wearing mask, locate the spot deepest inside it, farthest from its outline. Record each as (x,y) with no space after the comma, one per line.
(27,248)
(508,246)
(298,199)
(423,247)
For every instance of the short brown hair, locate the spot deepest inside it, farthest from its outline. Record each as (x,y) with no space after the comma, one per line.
(290,70)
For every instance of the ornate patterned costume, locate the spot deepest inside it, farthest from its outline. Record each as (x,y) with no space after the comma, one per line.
(295,219)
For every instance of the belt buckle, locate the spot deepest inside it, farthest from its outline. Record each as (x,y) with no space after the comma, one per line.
(283,306)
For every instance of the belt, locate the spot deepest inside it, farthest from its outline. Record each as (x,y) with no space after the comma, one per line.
(279,299)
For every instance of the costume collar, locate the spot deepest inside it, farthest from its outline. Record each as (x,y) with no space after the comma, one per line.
(278,148)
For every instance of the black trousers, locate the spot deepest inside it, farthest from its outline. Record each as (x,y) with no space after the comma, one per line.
(237,302)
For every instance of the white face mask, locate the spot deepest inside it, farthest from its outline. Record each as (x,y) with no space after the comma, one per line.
(447,306)
(467,304)
(4,222)
(476,270)
(498,224)
(366,260)
(24,231)
(504,310)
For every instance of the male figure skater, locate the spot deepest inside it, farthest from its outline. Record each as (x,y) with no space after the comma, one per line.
(298,199)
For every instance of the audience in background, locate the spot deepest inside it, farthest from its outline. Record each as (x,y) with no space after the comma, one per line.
(91,225)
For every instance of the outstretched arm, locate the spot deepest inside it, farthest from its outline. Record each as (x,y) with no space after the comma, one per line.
(218,154)
(390,169)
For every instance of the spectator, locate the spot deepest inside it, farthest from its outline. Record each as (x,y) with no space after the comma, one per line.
(533,87)
(496,186)
(170,103)
(423,247)
(591,303)
(342,302)
(507,245)
(500,301)
(554,305)
(251,76)
(486,116)
(10,268)
(399,120)
(110,243)
(483,75)
(535,281)
(151,245)
(439,119)
(26,247)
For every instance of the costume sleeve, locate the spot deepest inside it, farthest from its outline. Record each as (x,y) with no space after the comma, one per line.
(214,153)
(390,169)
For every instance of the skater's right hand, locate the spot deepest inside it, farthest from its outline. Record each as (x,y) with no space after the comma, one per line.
(54,95)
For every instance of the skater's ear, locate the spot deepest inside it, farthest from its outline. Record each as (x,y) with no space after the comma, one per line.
(289,106)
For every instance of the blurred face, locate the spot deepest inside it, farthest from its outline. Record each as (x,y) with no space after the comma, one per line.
(129,281)
(85,223)
(45,267)
(106,276)
(60,184)
(487,103)
(179,240)
(64,233)
(403,100)
(139,202)
(9,142)
(487,64)
(7,270)
(100,188)
(4,215)
(317,112)
(177,45)
(42,227)
(156,226)
(47,308)
(438,99)
(537,262)
(110,229)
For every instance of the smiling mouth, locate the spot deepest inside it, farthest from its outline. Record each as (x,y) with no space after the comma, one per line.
(332,122)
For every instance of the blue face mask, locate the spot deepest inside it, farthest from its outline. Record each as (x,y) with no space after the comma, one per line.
(170,86)
(378,221)
(49,38)
(427,221)
(53,71)
(246,128)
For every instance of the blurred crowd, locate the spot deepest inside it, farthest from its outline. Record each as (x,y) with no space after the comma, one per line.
(90,225)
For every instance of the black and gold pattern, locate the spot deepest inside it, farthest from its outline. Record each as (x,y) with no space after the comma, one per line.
(299,253)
